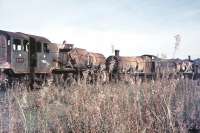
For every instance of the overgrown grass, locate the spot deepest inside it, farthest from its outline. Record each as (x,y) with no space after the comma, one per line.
(159,106)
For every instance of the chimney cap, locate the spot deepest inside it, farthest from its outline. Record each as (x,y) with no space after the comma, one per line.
(117,52)
(189,57)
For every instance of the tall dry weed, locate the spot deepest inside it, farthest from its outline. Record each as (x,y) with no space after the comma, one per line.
(153,106)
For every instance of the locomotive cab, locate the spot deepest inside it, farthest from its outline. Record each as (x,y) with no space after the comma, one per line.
(13,52)
(39,55)
(22,54)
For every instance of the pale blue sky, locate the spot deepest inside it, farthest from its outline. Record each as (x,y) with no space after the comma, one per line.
(135,27)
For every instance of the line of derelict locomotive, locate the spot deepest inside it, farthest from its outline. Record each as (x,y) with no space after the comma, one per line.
(24,56)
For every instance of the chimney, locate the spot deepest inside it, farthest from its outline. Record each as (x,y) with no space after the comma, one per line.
(189,58)
(117,53)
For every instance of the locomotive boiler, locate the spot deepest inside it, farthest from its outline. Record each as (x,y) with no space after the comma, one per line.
(141,66)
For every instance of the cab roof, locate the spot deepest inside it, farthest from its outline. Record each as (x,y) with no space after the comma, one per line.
(9,34)
(20,35)
(37,38)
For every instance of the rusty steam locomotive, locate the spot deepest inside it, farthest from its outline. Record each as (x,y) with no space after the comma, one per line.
(30,58)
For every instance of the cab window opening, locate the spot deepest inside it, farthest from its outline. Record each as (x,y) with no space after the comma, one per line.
(39,47)
(45,48)
(25,45)
(17,45)
(9,43)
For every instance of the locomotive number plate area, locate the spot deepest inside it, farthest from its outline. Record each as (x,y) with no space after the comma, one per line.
(20,60)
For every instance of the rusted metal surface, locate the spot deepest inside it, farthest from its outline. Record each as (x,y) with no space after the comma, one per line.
(79,57)
(167,66)
(147,62)
(143,64)
(96,58)
(127,63)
